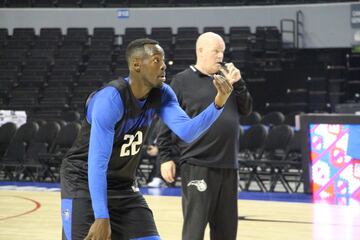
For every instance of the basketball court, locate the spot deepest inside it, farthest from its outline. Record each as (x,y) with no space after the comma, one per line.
(34,213)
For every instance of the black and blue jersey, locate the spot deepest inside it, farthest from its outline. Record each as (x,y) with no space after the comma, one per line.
(103,161)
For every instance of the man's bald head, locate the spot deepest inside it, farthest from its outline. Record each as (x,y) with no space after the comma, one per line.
(210,49)
(206,38)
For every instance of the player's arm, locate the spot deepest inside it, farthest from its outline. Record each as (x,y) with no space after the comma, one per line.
(179,122)
(104,111)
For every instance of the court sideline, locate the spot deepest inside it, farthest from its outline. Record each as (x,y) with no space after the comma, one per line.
(36,215)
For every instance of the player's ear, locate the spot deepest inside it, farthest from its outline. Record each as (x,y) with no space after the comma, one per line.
(135,64)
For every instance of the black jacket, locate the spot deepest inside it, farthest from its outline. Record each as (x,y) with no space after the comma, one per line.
(218,147)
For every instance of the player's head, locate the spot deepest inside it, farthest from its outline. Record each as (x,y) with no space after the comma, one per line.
(210,49)
(146,62)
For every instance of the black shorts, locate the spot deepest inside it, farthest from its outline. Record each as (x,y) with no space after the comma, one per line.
(209,195)
(129,217)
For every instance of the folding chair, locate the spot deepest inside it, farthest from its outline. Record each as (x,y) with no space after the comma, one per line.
(32,165)
(273,118)
(292,170)
(7,131)
(63,142)
(251,143)
(271,161)
(15,153)
(251,119)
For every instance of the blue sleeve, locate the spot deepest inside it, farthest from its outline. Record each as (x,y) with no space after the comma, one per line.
(104,111)
(179,122)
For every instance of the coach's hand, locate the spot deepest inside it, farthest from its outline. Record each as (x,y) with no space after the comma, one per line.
(224,89)
(168,171)
(100,230)
(231,73)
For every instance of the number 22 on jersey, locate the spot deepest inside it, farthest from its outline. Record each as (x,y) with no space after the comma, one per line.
(132,144)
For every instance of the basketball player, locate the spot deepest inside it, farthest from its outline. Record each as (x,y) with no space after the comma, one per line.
(209,164)
(100,199)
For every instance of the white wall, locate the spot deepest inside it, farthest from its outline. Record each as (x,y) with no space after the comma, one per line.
(325,25)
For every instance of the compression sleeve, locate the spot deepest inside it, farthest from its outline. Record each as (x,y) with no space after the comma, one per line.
(179,122)
(104,111)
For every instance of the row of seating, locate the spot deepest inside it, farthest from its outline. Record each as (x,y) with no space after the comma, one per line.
(34,152)
(269,157)
(241,37)
(60,98)
(270,119)
(286,80)
(148,3)
(324,91)
(33,68)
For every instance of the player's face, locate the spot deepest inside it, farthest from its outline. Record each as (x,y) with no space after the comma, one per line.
(213,53)
(153,67)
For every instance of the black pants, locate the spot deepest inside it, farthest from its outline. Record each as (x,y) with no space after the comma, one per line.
(209,196)
(129,218)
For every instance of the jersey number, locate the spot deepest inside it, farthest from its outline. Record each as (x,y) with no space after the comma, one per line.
(132,144)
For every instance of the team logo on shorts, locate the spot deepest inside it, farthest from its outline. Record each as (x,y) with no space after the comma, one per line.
(135,188)
(200,185)
(66,214)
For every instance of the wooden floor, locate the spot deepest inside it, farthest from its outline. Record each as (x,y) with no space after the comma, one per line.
(36,216)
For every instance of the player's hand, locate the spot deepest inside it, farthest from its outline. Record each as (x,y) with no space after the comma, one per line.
(168,171)
(224,89)
(231,73)
(100,230)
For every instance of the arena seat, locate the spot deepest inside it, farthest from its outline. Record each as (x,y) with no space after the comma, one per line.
(43,3)
(273,118)
(62,143)
(268,165)
(14,155)
(91,3)
(32,166)
(132,34)
(251,145)
(7,131)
